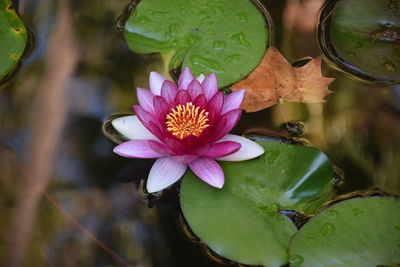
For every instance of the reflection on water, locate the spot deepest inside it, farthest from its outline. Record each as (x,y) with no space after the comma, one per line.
(54,121)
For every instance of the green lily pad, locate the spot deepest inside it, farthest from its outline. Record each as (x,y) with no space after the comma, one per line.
(13,38)
(228,37)
(362,37)
(242,222)
(356,232)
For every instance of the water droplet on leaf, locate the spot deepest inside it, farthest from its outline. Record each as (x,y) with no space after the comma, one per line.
(357,212)
(242,17)
(15,56)
(328,229)
(159,14)
(271,157)
(173,28)
(231,58)
(16,30)
(296,260)
(218,10)
(148,12)
(311,239)
(240,39)
(207,63)
(332,213)
(219,45)
(143,20)
(387,33)
(202,15)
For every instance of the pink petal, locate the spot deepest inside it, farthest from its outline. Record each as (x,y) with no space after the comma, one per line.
(160,108)
(225,125)
(145,98)
(168,90)
(156,80)
(210,85)
(185,78)
(201,102)
(248,150)
(191,143)
(160,148)
(215,105)
(175,145)
(182,97)
(233,101)
(132,128)
(194,89)
(209,171)
(221,149)
(148,120)
(164,173)
(159,130)
(136,149)
(186,158)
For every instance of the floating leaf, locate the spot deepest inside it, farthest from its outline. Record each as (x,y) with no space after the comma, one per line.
(228,37)
(356,232)
(275,80)
(13,38)
(242,221)
(362,37)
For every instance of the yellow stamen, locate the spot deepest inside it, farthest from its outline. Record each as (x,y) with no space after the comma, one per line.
(184,120)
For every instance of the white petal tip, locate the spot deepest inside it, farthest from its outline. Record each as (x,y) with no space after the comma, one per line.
(216,183)
(151,189)
(131,128)
(254,151)
(201,77)
(257,149)
(164,173)
(123,124)
(249,149)
(154,74)
(156,80)
(219,186)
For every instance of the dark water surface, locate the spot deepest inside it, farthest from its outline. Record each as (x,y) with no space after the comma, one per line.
(67,200)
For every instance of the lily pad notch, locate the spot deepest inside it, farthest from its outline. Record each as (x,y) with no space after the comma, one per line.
(228,37)
(244,215)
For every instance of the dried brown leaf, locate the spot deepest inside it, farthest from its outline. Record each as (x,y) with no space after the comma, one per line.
(275,80)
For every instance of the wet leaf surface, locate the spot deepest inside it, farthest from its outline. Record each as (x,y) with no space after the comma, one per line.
(356,232)
(13,38)
(228,37)
(362,37)
(244,215)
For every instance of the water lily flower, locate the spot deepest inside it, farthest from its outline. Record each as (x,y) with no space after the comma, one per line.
(184,126)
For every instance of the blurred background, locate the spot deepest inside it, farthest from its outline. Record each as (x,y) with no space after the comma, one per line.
(67,200)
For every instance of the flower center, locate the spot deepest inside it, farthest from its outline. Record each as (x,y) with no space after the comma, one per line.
(184,120)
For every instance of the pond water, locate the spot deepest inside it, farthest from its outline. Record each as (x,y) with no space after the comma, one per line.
(66,199)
